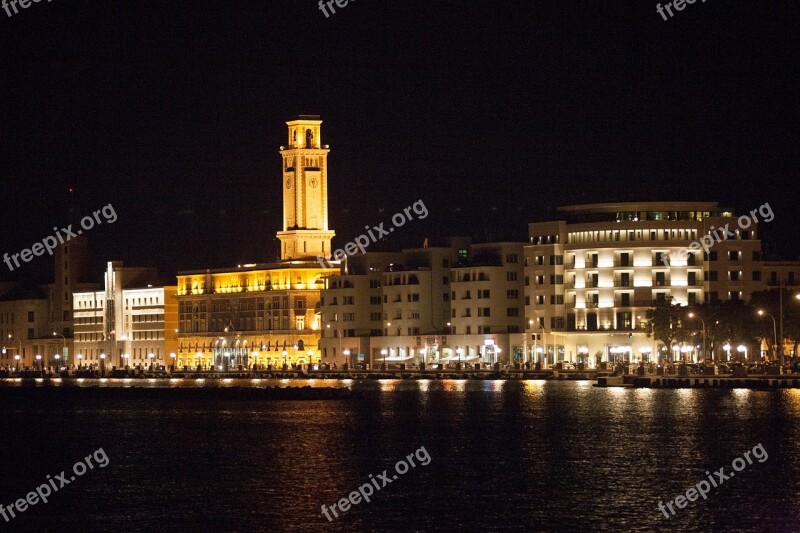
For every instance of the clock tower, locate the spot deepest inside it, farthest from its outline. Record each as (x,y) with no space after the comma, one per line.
(305,192)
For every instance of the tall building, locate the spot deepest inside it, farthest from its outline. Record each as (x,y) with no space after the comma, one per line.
(591,276)
(267,313)
(131,322)
(305,192)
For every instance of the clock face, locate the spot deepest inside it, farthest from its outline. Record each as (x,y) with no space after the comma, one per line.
(313,183)
(288,183)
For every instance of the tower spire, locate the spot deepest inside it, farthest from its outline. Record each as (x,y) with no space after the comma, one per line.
(305,231)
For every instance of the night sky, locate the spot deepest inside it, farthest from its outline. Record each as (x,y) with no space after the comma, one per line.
(492,113)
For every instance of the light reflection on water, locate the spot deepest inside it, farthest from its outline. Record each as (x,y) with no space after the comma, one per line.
(511,455)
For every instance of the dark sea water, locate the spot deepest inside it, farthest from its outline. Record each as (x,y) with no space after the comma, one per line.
(504,456)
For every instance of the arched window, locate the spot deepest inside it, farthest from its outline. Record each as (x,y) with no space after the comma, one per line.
(309,138)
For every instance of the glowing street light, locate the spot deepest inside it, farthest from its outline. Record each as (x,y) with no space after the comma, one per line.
(761,312)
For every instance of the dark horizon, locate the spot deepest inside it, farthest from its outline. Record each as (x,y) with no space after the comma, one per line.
(492,115)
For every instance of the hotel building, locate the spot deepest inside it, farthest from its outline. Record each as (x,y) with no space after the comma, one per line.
(591,276)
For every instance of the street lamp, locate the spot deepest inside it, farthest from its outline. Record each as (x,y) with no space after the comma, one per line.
(459,351)
(80,357)
(65,345)
(151,356)
(103,363)
(57,358)
(761,312)
(383,353)
(285,353)
(39,361)
(16,358)
(693,315)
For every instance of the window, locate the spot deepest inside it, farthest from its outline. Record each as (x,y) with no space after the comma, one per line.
(527,300)
(692,298)
(511,276)
(661,279)
(556,299)
(692,278)
(484,311)
(374,300)
(539,299)
(625,299)
(412,297)
(446,297)
(624,259)
(527,281)
(756,256)
(556,280)
(511,258)
(625,279)
(30,316)
(346,300)
(734,255)
(733,275)
(467,296)
(512,311)
(756,275)
(512,294)
(556,259)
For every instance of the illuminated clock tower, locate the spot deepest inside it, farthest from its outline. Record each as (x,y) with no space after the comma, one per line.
(305,192)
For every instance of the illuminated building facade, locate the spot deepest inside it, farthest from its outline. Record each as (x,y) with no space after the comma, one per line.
(131,322)
(591,277)
(267,313)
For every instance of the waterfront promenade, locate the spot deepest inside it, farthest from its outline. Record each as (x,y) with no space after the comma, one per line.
(621,375)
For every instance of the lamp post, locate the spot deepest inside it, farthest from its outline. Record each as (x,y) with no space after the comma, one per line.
(151,356)
(64,351)
(103,363)
(703,322)
(285,353)
(19,351)
(16,358)
(383,353)
(39,361)
(459,351)
(761,312)
(80,358)
(57,361)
